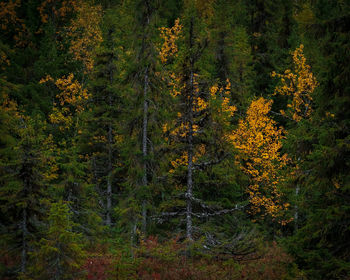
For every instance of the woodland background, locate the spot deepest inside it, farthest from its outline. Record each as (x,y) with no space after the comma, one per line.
(165,139)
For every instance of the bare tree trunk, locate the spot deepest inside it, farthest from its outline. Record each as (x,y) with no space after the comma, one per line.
(296,209)
(24,241)
(109,176)
(189,193)
(144,149)
(110,152)
(189,169)
(58,274)
(145,123)
(132,238)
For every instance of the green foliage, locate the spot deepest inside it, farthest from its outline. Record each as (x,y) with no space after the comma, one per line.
(59,254)
(72,154)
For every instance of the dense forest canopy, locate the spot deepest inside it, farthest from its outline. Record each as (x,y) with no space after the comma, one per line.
(166,139)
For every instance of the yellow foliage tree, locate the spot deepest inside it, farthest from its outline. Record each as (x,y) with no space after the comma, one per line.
(85,34)
(70,100)
(258,140)
(169,36)
(299,84)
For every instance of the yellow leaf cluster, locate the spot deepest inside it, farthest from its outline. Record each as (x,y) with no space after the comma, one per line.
(85,34)
(258,140)
(175,85)
(8,16)
(8,13)
(70,100)
(182,130)
(3,60)
(169,36)
(223,95)
(57,8)
(49,161)
(299,84)
(183,160)
(9,106)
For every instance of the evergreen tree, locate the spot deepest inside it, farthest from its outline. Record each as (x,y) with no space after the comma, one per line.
(59,254)
(25,176)
(197,133)
(320,243)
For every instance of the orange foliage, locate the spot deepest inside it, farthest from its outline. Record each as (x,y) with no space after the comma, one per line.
(8,13)
(9,106)
(169,35)
(183,160)
(300,85)
(223,95)
(8,17)
(71,100)
(258,141)
(3,60)
(57,8)
(85,34)
(198,104)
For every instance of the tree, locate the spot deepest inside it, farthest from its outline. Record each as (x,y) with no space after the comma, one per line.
(100,132)
(25,175)
(259,140)
(272,33)
(300,85)
(202,114)
(59,254)
(319,245)
(84,34)
(66,123)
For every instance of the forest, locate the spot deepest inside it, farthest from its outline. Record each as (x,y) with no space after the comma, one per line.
(175,139)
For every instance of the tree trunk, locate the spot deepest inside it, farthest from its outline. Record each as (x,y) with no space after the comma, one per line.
(24,241)
(109,176)
(110,154)
(144,149)
(296,209)
(190,149)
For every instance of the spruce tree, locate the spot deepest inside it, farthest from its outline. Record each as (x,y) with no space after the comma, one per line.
(59,254)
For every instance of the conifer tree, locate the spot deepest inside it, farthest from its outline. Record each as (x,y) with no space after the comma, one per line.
(197,132)
(100,134)
(25,178)
(59,254)
(321,141)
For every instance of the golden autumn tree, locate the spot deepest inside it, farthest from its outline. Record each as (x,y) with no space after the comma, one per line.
(84,34)
(258,140)
(70,101)
(298,84)
(169,36)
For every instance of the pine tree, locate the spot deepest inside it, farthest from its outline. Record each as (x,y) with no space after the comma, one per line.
(59,254)
(99,135)
(322,144)
(271,30)
(196,134)
(25,174)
